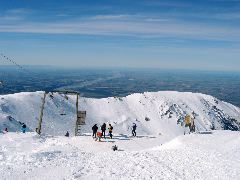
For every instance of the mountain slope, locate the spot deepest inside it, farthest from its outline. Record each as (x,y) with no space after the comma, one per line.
(153,112)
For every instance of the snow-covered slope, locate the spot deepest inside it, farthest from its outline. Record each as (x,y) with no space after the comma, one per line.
(153,112)
(159,152)
(196,156)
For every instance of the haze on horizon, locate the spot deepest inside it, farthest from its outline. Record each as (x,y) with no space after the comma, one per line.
(198,35)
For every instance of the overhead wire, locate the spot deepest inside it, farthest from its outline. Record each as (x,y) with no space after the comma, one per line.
(8,59)
(14,62)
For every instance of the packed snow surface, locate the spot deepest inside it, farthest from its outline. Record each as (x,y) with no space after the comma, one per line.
(194,156)
(160,150)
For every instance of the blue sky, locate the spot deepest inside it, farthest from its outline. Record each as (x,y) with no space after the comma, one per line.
(168,34)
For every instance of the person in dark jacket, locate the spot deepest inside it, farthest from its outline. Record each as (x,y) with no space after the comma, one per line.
(94,129)
(67,134)
(134,127)
(192,126)
(103,128)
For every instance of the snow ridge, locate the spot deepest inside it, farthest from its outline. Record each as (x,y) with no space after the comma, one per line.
(153,112)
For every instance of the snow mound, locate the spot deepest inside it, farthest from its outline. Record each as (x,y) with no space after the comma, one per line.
(195,156)
(153,112)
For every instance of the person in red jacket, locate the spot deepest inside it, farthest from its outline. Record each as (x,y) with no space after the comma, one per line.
(99,136)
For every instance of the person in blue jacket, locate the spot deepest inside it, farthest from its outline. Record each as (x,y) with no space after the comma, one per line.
(24,127)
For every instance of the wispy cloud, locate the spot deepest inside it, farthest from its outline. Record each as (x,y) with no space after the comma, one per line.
(14,15)
(164,3)
(18,11)
(166,24)
(126,25)
(227,16)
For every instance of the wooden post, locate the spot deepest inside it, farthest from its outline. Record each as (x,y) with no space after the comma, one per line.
(41,114)
(76,127)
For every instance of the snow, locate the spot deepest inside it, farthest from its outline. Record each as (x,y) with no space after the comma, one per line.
(162,108)
(160,150)
(195,156)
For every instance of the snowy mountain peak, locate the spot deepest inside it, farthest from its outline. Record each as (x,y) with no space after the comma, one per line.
(153,112)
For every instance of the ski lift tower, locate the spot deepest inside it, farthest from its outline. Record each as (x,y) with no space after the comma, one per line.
(80,115)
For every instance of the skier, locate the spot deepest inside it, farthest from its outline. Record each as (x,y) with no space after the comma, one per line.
(94,129)
(187,123)
(110,129)
(67,134)
(103,128)
(134,127)
(24,128)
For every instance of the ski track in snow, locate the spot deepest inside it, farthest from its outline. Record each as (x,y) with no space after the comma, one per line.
(195,156)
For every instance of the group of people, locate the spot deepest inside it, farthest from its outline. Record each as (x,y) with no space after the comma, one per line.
(99,134)
(188,121)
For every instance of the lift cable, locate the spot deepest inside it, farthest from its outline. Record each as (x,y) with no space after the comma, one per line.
(14,63)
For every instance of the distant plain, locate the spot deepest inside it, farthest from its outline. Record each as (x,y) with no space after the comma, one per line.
(101,83)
